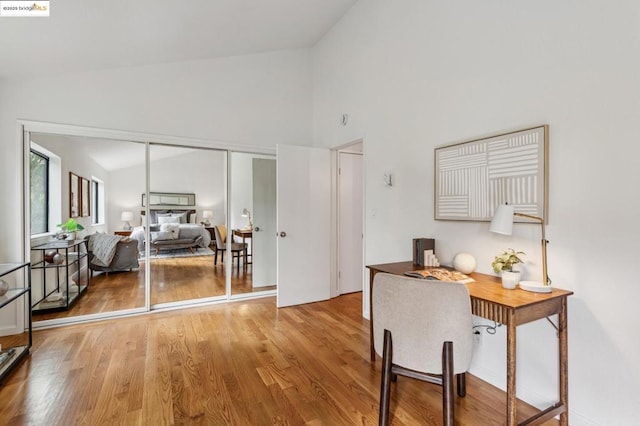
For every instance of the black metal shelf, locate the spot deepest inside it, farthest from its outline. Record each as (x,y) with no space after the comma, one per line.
(73,258)
(10,357)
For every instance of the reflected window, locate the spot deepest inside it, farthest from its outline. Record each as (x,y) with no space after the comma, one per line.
(39,177)
(97,193)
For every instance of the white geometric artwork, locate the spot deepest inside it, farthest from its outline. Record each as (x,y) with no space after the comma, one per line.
(473,177)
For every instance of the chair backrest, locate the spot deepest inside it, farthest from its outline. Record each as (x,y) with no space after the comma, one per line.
(421,315)
(221,236)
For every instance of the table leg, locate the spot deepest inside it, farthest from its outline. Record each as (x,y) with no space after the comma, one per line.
(511,371)
(564,362)
(245,251)
(372,349)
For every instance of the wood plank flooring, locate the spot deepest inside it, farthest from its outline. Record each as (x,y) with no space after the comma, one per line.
(173,279)
(242,363)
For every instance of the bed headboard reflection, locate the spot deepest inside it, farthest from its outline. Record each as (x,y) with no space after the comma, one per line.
(185,215)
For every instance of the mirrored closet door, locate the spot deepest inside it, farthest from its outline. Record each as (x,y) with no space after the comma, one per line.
(154,225)
(187,188)
(252,223)
(94,183)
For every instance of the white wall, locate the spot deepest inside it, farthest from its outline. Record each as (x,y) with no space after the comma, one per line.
(241,187)
(241,191)
(413,75)
(201,172)
(260,100)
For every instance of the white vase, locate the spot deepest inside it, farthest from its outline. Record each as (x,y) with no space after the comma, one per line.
(510,279)
(4,287)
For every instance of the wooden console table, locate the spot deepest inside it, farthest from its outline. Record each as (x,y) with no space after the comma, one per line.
(511,308)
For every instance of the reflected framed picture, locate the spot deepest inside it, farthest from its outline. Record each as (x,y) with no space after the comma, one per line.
(74,195)
(169,199)
(85,192)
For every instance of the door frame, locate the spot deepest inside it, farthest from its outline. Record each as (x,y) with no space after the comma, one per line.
(356,145)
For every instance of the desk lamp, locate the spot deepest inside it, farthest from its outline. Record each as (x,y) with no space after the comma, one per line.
(502,223)
(126,217)
(246,213)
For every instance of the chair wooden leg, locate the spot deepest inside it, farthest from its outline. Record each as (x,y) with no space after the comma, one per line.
(462,384)
(447,384)
(385,382)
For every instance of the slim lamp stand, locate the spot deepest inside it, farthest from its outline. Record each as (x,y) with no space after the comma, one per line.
(502,223)
(545,285)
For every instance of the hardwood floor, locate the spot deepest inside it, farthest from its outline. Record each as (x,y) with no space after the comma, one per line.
(242,363)
(173,279)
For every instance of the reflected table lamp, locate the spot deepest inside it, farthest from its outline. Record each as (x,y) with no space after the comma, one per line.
(502,223)
(207,215)
(246,213)
(126,217)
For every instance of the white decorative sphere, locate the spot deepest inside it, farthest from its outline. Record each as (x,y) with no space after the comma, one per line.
(464,262)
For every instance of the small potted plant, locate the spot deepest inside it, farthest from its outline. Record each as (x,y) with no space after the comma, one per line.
(68,229)
(503,264)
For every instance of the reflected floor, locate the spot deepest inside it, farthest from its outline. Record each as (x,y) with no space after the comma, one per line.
(173,279)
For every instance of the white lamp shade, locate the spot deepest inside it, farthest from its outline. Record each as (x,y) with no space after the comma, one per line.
(126,216)
(207,214)
(245,213)
(502,222)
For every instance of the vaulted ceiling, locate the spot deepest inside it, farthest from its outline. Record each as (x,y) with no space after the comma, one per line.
(84,35)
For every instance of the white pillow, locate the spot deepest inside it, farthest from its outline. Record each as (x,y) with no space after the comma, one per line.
(168,219)
(181,216)
(174,228)
(192,218)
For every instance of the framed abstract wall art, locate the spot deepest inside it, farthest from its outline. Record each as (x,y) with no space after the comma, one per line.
(475,176)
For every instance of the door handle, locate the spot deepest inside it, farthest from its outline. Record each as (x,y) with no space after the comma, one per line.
(283,234)
(257,229)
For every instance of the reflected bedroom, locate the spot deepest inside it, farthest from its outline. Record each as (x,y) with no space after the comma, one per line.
(202,237)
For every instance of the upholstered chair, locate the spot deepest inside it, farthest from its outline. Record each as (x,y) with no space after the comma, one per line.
(422,329)
(221,246)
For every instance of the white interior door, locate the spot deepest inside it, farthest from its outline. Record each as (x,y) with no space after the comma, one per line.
(303,193)
(264,243)
(350,264)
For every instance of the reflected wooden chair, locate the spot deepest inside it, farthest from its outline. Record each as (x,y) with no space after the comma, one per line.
(237,249)
(423,330)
